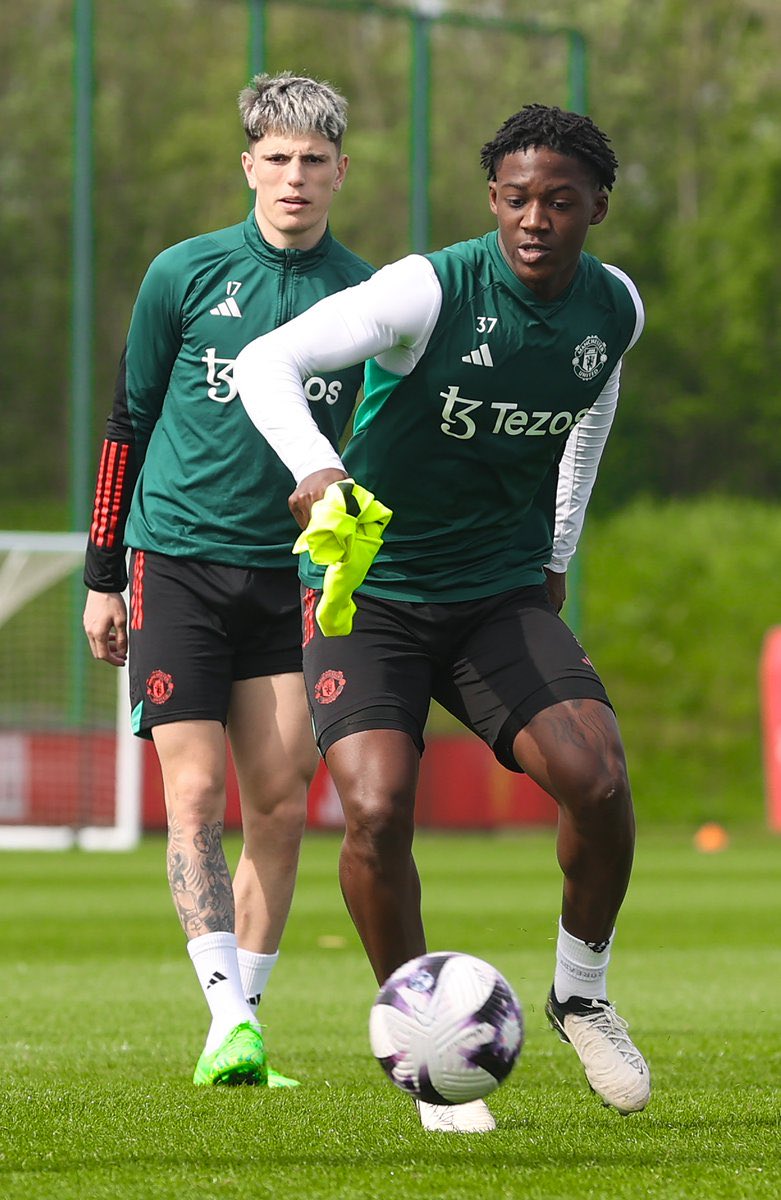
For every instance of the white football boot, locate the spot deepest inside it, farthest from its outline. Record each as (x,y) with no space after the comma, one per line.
(473,1117)
(615,1068)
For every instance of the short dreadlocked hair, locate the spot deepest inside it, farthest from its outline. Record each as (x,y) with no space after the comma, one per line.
(565,132)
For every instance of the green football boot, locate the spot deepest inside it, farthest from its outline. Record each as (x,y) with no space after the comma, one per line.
(239,1059)
(275,1080)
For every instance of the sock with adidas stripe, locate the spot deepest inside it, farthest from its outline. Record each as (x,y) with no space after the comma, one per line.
(215,958)
(255,970)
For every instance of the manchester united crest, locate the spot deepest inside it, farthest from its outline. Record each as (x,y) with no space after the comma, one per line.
(590,357)
(329,686)
(159,687)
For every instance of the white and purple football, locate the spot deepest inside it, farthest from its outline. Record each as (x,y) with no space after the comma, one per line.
(446,1028)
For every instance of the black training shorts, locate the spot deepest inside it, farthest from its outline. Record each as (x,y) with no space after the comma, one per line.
(196,627)
(494,663)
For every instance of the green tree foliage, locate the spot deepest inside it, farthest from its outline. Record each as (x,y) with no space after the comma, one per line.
(697,206)
(690,93)
(35,106)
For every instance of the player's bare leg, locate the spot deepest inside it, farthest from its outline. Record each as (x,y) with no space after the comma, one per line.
(192,759)
(275,758)
(376,774)
(574,750)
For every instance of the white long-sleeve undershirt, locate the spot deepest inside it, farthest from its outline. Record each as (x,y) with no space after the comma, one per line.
(390,317)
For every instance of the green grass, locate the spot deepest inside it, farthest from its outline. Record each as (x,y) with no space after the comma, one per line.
(103,1021)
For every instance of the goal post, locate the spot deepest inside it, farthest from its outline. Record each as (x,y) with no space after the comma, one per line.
(70,767)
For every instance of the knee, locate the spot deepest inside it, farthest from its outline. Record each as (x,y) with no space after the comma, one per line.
(195,798)
(277,812)
(276,787)
(376,774)
(602,793)
(379,825)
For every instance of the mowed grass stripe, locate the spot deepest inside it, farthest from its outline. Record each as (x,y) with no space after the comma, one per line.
(102,1023)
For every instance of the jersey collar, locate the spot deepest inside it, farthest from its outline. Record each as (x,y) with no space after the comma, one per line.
(300,260)
(495,250)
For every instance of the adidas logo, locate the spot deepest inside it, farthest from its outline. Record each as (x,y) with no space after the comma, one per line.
(226,308)
(229,307)
(217,977)
(481,357)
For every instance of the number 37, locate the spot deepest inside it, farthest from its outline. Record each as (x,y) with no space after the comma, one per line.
(486,324)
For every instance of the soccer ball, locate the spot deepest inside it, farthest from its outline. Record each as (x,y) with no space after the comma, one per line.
(446,1028)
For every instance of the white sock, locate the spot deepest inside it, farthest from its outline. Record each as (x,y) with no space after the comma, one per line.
(580,969)
(255,970)
(217,967)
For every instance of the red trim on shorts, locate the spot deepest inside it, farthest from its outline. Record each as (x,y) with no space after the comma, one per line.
(108,494)
(137,592)
(310,596)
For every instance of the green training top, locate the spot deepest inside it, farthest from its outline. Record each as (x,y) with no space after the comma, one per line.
(465,449)
(206,485)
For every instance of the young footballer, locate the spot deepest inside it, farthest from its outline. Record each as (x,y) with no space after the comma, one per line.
(493,381)
(215,627)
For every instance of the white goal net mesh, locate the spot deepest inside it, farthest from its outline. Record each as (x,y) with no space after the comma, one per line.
(69,770)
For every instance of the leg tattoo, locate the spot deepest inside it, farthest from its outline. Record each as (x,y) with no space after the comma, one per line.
(199,879)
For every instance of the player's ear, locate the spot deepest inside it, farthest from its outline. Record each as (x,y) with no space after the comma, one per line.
(341,171)
(492,196)
(248,166)
(599,212)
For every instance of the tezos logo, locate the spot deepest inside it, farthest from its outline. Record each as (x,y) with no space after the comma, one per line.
(590,357)
(329,686)
(159,687)
(222,388)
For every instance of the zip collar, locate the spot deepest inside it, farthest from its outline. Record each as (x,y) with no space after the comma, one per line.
(297,260)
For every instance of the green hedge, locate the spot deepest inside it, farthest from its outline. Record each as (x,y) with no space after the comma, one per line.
(677,599)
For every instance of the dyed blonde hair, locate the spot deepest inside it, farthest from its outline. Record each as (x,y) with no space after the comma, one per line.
(294,105)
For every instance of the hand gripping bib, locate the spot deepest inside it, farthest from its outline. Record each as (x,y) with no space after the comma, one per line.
(343,535)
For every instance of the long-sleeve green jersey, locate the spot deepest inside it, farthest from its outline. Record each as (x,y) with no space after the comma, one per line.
(183,472)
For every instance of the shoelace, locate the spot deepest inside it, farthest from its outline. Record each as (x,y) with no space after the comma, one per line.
(606,1021)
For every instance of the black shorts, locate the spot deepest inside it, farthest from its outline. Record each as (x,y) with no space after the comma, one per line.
(196,627)
(494,663)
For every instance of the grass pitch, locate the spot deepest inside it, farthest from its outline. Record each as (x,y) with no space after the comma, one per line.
(102,1022)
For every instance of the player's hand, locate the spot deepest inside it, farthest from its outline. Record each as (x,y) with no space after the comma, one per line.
(311,489)
(105,624)
(557,588)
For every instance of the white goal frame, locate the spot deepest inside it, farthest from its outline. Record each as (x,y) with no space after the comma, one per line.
(34,562)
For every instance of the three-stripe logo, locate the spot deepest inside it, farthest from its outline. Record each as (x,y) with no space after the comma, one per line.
(229,307)
(481,357)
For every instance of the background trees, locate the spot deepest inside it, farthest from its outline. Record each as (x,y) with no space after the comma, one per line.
(691,95)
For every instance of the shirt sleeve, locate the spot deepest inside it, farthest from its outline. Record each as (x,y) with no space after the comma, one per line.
(583,451)
(578,471)
(153,343)
(389,317)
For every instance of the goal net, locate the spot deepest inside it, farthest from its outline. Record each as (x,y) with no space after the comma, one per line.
(70,768)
